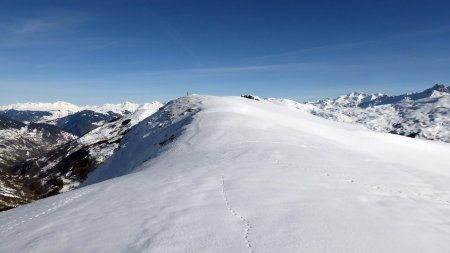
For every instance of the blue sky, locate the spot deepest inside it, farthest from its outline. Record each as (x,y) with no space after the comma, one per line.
(113,51)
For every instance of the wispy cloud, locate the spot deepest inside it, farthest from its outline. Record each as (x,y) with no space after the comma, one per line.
(243,68)
(423,33)
(174,34)
(355,44)
(105,81)
(37,30)
(39,25)
(321,48)
(231,69)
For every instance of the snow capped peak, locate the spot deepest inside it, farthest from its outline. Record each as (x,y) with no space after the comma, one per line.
(364,100)
(116,108)
(353,99)
(440,88)
(436,93)
(124,108)
(59,105)
(152,105)
(63,104)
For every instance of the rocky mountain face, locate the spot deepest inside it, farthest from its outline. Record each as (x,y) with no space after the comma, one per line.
(65,167)
(20,142)
(423,115)
(43,159)
(25,116)
(84,121)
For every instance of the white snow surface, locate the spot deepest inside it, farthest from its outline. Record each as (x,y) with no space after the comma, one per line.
(248,176)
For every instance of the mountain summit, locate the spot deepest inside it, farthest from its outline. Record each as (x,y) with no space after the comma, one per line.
(231,174)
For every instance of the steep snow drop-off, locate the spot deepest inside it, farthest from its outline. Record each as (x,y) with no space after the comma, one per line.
(213,174)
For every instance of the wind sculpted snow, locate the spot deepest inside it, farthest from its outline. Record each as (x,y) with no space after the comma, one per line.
(230,174)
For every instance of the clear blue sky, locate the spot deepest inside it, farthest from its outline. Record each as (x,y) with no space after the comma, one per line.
(112,51)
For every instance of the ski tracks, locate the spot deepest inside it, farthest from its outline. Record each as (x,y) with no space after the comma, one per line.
(245,222)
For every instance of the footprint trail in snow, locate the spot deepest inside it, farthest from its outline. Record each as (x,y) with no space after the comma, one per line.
(246,223)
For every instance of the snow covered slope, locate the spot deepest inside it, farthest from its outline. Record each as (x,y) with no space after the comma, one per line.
(213,174)
(423,115)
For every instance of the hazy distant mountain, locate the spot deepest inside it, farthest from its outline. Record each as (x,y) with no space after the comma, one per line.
(49,112)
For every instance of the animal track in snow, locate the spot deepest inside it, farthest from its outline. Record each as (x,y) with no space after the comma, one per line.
(393,191)
(346,178)
(247,225)
(38,213)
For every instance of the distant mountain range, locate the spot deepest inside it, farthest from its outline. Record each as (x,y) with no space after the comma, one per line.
(71,118)
(423,114)
(61,109)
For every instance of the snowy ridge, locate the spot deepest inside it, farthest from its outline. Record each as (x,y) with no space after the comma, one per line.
(300,183)
(112,132)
